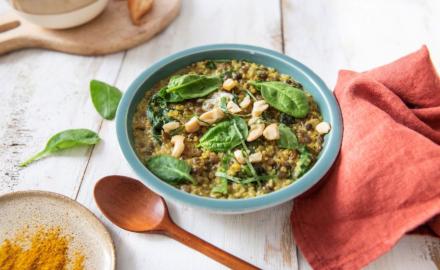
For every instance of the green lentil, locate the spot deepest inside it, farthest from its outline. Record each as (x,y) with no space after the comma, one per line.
(275,161)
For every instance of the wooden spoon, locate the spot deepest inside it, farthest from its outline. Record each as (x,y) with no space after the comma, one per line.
(130,205)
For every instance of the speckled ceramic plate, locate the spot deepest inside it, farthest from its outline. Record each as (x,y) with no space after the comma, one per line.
(33,208)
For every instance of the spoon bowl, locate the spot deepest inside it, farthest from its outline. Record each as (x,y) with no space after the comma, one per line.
(130,205)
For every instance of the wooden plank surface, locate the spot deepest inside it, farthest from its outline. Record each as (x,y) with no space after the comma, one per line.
(359,35)
(44,92)
(262,238)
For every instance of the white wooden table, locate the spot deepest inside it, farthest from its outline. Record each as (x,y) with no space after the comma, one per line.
(43,92)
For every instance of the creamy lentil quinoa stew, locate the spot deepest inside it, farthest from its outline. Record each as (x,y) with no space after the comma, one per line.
(228,129)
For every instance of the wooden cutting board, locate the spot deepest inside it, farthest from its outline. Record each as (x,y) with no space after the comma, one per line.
(110,32)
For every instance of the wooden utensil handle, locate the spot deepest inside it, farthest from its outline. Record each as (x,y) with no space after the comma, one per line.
(186,238)
(11,36)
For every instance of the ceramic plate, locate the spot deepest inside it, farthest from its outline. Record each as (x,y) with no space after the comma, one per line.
(30,208)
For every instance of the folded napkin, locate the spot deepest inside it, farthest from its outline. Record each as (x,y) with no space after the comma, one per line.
(386,180)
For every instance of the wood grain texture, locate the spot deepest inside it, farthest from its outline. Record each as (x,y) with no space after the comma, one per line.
(44,92)
(262,238)
(111,32)
(359,35)
(130,205)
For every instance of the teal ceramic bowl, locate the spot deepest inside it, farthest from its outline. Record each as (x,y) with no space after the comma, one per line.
(284,64)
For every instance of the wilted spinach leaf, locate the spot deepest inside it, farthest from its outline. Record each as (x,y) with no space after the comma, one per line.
(288,139)
(224,105)
(191,86)
(64,140)
(179,88)
(286,119)
(284,97)
(224,136)
(170,169)
(222,187)
(105,98)
(303,163)
(157,113)
(211,64)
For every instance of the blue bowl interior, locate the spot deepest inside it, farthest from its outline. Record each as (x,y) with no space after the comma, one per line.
(167,66)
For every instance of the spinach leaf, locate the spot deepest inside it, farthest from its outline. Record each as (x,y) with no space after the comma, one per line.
(286,119)
(192,86)
(157,113)
(303,163)
(224,136)
(228,177)
(222,187)
(288,139)
(284,97)
(210,64)
(170,169)
(169,97)
(224,105)
(257,179)
(64,140)
(179,88)
(226,74)
(105,98)
(245,148)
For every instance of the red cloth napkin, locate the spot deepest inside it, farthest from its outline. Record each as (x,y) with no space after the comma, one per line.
(386,180)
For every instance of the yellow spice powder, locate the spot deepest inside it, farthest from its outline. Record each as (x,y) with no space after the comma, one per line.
(45,249)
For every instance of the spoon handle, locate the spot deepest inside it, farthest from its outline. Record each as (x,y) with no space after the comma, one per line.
(186,238)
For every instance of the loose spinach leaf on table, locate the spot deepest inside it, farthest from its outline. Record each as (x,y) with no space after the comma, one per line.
(105,98)
(64,140)
(191,86)
(288,139)
(284,97)
(303,163)
(224,136)
(170,169)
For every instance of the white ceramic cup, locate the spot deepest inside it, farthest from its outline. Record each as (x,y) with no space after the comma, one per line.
(61,20)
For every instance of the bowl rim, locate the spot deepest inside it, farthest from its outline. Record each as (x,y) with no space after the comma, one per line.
(327,157)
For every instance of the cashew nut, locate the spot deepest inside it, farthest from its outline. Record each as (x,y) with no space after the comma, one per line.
(210,103)
(271,132)
(179,145)
(253,120)
(211,117)
(259,107)
(255,132)
(192,125)
(170,126)
(245,102)
(229,84)
(239,156)
(255,157)
(232,107)
(323,128)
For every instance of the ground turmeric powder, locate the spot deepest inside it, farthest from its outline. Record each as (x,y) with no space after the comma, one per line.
(44,249)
